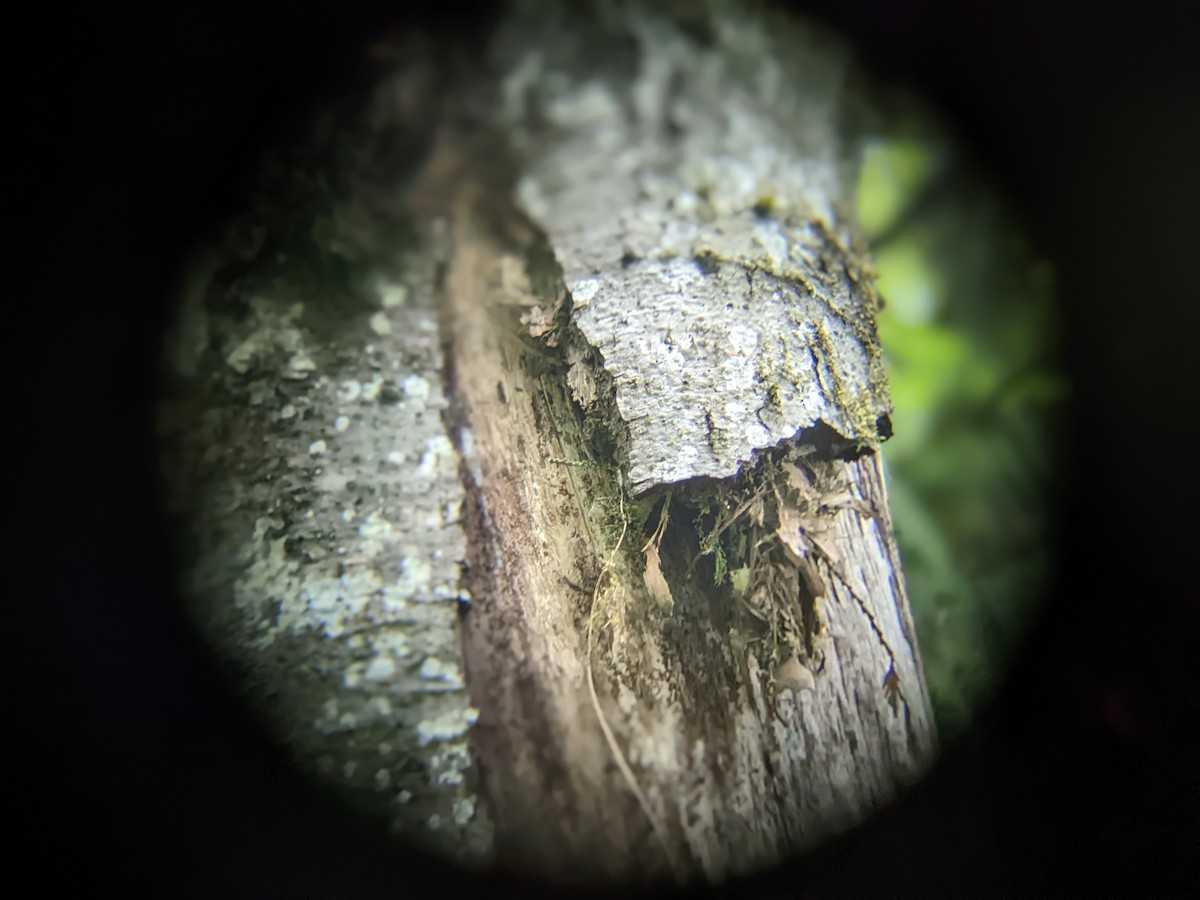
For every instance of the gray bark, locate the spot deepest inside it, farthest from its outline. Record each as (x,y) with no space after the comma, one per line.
(561,536)
(318,494)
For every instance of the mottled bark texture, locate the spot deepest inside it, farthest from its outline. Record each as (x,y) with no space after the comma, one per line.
(536,493)
(317,492)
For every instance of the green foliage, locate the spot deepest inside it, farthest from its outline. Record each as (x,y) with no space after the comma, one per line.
(739,580)
(893,171)
(721,566)
(969,339)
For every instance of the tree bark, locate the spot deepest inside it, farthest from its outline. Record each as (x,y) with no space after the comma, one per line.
(573,551)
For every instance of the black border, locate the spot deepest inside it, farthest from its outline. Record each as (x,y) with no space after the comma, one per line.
(136,771)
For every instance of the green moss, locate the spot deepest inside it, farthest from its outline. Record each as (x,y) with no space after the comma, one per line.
(721,567)
(765,206)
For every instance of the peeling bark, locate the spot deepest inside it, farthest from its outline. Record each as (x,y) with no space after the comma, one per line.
(569,546)
(696,199)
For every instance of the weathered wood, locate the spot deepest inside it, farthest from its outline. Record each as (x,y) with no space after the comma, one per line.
(734,776)
(590,484)
(714,324)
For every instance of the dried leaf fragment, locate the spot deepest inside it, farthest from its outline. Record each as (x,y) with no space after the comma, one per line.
(582,385)
(791,533)
(656,584)
(794,677)
(536,321)
(800,481)
(740,579)
(756,511)
(891,687)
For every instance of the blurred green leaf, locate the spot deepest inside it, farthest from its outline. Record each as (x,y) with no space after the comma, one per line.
(968,334)
(893,172)
(910,286)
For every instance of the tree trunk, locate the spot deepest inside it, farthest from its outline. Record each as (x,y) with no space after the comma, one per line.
(573,551)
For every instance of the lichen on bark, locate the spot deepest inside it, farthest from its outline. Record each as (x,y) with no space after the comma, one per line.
(633,296)
(316,493)
(698,203)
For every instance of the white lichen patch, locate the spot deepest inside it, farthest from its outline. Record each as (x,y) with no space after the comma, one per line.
(334,480)
(415,577)
(371,388)
(393,641)
(390,294)
(591,103)
(416,389)
(464,810)
(330,524)
(467,442)
(438,459)
(273,330)
(626,701)
(381,668)
(380,707)
(583,290)
(299,366)
(376,527)
(380,324)
(330,604)
(657,737)
(389,647)
(433,669)
(451,724)
(449,763)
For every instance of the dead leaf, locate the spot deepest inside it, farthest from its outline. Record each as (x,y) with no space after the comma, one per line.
(828,545)
(891,687)
(791,533)
(514,281)
(837,500)
(792,676)
(814,587)
(537,323)
(800,481)
(756,511)
(656,584)
(582,385)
